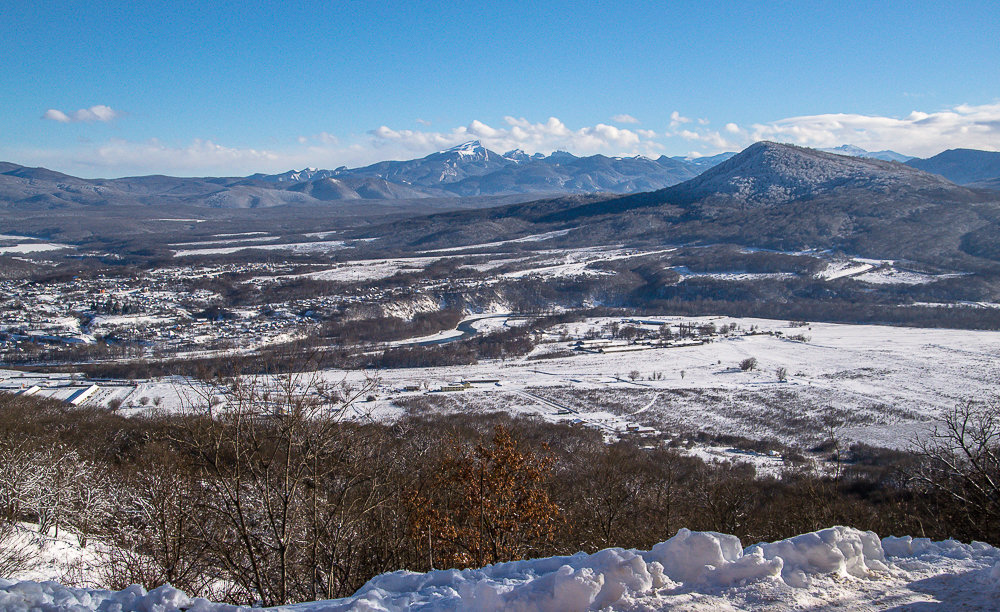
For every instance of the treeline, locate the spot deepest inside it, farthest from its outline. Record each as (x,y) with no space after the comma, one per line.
(833,310)
(650,287)
(315,353)
(12,268)
(387,329)
(273,498)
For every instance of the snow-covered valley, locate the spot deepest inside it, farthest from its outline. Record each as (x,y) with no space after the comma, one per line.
(880,385)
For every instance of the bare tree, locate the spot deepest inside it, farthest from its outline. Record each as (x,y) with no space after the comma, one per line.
(22,477)
(619,481)
(269,461)
(61,469)
(16,554)
(154,530)
(90,499)
(831,422)
(961,462)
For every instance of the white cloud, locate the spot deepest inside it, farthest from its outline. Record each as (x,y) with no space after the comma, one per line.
(193,157)
(677,119)
(423,122)
(56,115)
(99,112)
(919,133)
(712,138)
(203,157)
(519,133)
(624,118)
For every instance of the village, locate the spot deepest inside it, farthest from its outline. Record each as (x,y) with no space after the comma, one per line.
(150,315)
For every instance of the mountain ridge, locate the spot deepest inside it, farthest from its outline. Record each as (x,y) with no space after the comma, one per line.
(766,173)
(770,196)
(466,170)
(962,166)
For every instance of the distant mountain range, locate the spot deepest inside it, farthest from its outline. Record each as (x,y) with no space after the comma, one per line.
(963,166)
(771,196)
(468,170)
(854,151)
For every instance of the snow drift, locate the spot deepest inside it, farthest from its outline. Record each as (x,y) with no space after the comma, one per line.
(836,567)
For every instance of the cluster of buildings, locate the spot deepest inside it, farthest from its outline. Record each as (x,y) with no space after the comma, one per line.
(156,313)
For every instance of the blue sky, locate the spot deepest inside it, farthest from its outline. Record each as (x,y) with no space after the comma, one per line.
(110,89)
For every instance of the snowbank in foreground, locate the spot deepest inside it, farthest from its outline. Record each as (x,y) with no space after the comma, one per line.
(839,567)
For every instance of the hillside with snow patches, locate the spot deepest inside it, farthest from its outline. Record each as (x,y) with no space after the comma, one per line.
(838,568)
(768,173)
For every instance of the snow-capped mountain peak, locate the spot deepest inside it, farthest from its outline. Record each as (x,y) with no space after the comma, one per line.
(472,147)
(295,176)
(516,155)
(847,149)
(855,151)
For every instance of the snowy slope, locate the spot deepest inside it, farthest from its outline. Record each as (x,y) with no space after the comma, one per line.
(837,568)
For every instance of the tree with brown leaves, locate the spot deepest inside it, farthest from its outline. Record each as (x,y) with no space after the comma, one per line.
(486,504)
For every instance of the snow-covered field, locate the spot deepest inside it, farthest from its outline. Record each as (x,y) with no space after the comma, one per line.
(103,323)
(732,276)
(877,272)
(877,384)
(295,247)
(576,262)
(370,269)
(484,245)
(839,568)
(880,385)
(31,247)
(223,239)
(481,323)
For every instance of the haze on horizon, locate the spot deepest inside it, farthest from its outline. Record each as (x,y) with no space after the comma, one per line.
(213,89)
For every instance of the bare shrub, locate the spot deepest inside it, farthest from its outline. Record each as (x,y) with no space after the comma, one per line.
(16,551)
